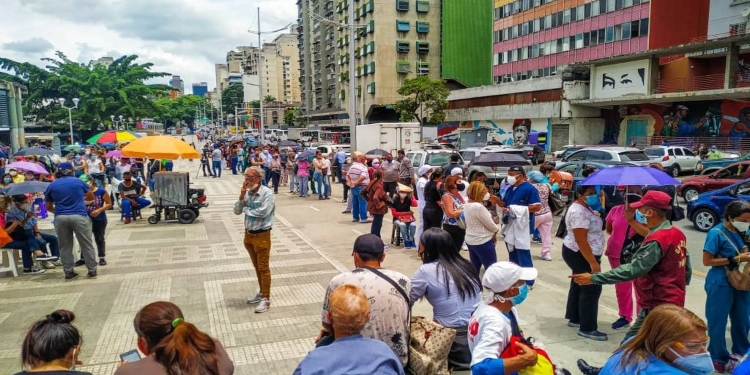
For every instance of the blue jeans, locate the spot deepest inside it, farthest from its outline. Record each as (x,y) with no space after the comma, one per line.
(266,176)
(217,167)
(722,302)
(169,166)
(26,247)
(302,185)
(522,258)
(484,255)
(322,183)
(127,209)
(359,204)
(407,230)
(42,243)
(234,165)
(377,224)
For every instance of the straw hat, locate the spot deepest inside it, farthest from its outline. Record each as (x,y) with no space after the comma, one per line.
(404,189)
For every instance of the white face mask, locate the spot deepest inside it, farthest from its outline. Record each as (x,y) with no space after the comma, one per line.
(740,226)
(253,187)
(512,180)
(402,195)
(486,197)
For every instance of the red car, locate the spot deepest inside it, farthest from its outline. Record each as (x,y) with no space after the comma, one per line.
(693,186)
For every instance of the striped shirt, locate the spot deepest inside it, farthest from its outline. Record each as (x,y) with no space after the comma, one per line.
(259,209)
(356,171)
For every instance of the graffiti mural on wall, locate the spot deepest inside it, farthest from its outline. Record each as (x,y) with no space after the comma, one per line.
(507,132)
(718,118)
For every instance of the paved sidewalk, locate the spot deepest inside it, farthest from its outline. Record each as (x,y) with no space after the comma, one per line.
(202,267)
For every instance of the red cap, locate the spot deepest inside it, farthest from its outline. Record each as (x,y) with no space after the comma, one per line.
(655,199)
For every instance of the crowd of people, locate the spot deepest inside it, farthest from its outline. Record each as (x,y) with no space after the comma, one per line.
(366,323)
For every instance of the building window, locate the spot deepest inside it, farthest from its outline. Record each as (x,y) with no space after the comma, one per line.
(643,27)
(609,33)
(423,27)
(626,30)
(579,41)
(595,8)
(403,67)
(371,88)
(402,5)
(423,67)
(423,47)
(402,26)
(372,67)
(423,6)
(402,46)
(372,46)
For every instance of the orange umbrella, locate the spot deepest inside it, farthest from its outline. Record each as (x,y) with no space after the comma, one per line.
(159,147)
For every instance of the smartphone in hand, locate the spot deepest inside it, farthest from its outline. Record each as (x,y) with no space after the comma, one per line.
(131,356)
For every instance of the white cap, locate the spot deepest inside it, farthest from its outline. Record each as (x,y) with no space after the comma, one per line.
(457,171)
(503,275)
(423,169)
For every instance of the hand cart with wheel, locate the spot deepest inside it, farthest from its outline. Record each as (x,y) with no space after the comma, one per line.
(175,198)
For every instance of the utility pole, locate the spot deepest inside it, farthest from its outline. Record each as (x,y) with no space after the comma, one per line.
(260,85)
(352,80)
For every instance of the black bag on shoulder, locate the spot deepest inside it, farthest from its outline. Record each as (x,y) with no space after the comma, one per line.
(630,247)
(18,234)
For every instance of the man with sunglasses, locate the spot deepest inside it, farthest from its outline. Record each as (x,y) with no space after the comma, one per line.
(256,202)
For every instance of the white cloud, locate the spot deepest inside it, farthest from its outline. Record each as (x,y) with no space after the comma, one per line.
(182,37)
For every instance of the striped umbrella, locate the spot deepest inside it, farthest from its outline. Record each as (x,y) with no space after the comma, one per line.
(113,136)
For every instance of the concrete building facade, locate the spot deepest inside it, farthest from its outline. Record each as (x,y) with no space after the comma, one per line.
(319,82)
(280,68)
(177,83)
(222,76)
(200,89)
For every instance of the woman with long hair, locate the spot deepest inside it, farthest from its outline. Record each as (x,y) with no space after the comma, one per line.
(672,340)
(453,208)
(52,345)
(432,212)
(481,230)
(451,285)
(725,249)
(377,201)
(174,346)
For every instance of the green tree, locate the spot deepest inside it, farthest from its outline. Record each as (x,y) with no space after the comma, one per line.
(423,95)
(255,104)
(289,117)
(181,109)
(119,89)
(269,99)
(232,97)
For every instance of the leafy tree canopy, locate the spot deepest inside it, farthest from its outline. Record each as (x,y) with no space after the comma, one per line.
(232,97)
(181,109)
(423,96)
(119,89)
(269,99)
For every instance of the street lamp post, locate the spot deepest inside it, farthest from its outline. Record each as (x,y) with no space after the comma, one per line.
(70,114)
(116,124)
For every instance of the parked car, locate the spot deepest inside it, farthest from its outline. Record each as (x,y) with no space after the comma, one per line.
(498,173)
(693,186)
(471,152)
(612,197)
(708,209)
(567,150)
(711,165)
(615,154)
(434,158)
(535,153)
(674,159)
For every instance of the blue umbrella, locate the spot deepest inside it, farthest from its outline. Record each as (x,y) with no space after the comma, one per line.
(33,151)
(26,187)
(307,153)
(619,176)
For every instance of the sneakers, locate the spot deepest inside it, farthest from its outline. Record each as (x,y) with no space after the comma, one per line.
(547,257)
(734,361)
(102,262)
(91,274)
(364,221)
(346,212)
(621,323)
(44,257)
(593,335)
(253,300)
(263,305)
(70,275)
(573,324)
(33,270)
(57,263)
(47,265)
(80,262)
(127,220)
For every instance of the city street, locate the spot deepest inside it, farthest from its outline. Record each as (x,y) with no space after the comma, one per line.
(204,269)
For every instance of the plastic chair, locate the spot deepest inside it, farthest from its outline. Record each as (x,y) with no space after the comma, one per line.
(136,214)
(12,267)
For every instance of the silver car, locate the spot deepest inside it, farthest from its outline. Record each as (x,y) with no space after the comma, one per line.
(674,159)
(498,173)
(621,154)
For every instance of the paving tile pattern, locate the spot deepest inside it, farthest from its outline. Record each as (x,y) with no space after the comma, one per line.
(202,267)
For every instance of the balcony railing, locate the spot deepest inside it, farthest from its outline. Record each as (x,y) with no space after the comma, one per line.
(698,83)
(733,31)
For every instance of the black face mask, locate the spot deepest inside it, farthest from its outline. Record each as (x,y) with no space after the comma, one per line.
(461,187)
(128,179)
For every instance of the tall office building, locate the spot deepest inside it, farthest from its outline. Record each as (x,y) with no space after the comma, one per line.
(317,59)
(280,68)
(177,83)
(200,89)
(534,38)
(236,59)
(222,76)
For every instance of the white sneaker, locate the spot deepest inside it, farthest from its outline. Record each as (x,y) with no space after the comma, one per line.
(47,265)
(547,257)
(254,300)
(263,306)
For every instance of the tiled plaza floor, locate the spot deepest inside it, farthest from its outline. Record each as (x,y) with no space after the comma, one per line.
(201,267)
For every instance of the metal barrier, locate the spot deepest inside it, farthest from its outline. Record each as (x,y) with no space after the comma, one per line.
(698,83)
(739,145)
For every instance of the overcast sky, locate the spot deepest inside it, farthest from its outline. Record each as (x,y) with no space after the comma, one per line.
(183,37)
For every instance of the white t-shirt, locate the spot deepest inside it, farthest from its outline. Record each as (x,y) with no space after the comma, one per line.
(489,333)
(581,217)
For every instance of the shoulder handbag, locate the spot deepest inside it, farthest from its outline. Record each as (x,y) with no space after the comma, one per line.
(739,277)
(429,342)
(543,366)
(555,204)
(630,247)
(18,234)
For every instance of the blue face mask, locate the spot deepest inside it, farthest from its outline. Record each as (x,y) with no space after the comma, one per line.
(695,364)
(523,292)
(592,200)
(641,218)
